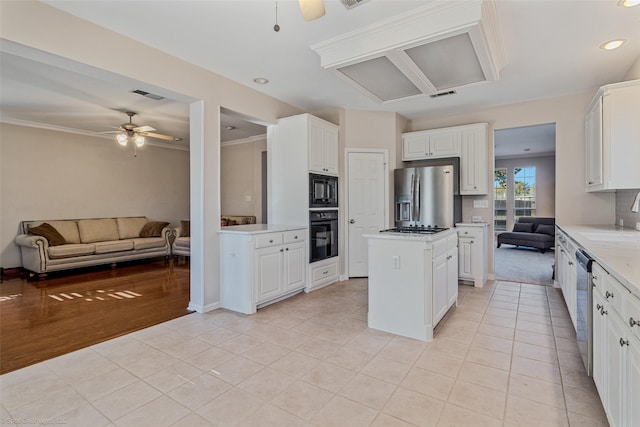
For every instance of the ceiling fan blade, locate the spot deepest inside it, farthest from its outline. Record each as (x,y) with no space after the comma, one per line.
(109,131)
(144,129)
(160,136)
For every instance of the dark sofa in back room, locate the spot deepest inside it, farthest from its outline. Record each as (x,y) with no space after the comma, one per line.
(532,232)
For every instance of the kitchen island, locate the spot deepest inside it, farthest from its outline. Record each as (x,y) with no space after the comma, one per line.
(413,281)
(261,264)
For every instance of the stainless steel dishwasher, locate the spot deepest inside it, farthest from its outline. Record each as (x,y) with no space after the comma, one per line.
(584,301)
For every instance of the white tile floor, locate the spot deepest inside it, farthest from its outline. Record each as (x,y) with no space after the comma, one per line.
(505,357)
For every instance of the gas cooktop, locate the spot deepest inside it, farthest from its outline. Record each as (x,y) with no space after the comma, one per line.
(415,229)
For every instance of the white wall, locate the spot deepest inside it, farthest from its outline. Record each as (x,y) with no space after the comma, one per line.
(241,177)
(545,183)
(54,175)
(634,71)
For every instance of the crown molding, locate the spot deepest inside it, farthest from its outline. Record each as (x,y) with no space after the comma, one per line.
(249,140)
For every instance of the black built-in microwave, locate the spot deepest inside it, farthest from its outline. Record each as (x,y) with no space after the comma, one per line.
(323,191)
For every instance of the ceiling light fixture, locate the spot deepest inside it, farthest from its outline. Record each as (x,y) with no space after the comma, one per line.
(612,44)
(261,80)
(129,133)
(628,3)
(311,9)
(229,127)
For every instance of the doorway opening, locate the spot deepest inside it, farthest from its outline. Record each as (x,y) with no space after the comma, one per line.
(524,188)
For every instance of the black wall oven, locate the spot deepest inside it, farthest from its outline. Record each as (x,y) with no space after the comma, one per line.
(323,191)
(323,237)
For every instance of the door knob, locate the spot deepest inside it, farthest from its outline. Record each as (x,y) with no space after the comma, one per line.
(352,221)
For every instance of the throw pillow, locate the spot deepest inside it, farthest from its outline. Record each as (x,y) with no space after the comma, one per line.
(153,229)
(525,227)
(48,232)
(546,229)
(185,228)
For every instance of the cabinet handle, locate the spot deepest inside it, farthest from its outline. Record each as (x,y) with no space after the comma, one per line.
(286,249)
(595,277)
(623,342)
(590,182)
(472,241)
(608,294)
(325,272)
(271,241)
(633,322)
(603,312)
(282,250)
(295,237)
(598,307)
(570,263)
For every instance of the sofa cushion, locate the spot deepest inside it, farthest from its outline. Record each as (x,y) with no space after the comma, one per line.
(525,227)
(113,246)
(185,228)
(71,250)
(48,232)
(153,229)
(129,228)
(68,229)
(182,242)
(98,230)
(546,229)
(148,242)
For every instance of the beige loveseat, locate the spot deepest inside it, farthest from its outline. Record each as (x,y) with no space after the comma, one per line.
(88,242)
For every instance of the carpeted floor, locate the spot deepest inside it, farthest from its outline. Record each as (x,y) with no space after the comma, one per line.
(524,265)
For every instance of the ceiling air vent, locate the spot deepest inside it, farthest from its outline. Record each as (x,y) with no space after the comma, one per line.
(350,4)
(438,95)
(147,94)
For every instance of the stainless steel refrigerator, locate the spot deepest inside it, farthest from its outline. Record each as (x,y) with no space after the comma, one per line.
(427,195)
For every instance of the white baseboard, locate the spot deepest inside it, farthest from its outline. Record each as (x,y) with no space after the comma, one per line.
(204,308)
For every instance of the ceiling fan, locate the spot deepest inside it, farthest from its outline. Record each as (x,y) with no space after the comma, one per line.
(132,132)
(314,9)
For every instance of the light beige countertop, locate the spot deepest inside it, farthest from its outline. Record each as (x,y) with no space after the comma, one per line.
(411,236)
(616,249)
(258,228)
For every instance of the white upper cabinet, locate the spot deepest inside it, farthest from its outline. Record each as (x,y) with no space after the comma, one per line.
(323,147)
(468,142)
(612,138)
(474,160)
(430,144)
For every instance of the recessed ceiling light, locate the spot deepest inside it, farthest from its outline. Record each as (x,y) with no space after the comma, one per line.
(612,44)
(229,127)
(261,80)
(628,3)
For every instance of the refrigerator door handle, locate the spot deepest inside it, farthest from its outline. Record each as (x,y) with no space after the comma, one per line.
(418,198)
(413,198)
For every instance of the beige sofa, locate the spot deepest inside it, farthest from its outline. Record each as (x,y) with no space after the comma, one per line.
(89,242)
(182,241)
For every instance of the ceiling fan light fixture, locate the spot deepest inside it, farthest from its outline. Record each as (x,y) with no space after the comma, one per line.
(122,139)
(311,9)
(139,140)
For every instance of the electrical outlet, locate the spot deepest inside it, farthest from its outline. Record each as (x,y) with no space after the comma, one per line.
(621,222)
(476,219)
(396,262)
(480,203)
(638,226)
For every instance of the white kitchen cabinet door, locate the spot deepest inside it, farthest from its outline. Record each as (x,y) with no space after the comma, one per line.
(294,266)
(615,367)
(269,273)
(599,343)
(444,143)
(323,147)
(440,287)
(632,378)
(474,160)
(452,277)
(593,147)
(465,249)
(415,146)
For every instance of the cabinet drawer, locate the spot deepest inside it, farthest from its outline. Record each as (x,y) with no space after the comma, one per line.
(293,236)
(598,277)
(615,293)
(439,247)
(469,233)
(321,273)
(452,242)
(270,239)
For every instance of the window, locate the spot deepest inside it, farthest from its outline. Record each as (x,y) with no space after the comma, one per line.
(524,188)
(500,199)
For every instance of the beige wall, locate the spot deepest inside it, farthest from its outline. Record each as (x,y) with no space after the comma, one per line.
(241,178)
(54,175)
(634,71)
(545,183)
(39,27)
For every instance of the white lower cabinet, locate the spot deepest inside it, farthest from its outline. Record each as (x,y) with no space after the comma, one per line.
(445,277)
(616,350)
(566,273)
(472,253)
(322,273)
(261,268)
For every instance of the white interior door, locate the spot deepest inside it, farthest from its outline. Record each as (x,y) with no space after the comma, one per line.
(366,205)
